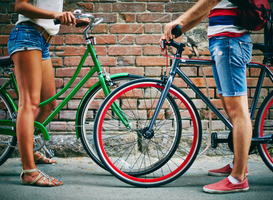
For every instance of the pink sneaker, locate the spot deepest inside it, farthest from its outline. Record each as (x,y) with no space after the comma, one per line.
(225,186)
(224,171)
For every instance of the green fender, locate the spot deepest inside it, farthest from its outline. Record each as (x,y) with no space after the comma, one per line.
(95,85)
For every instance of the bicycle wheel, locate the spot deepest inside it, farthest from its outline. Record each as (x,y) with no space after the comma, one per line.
(263,128)
(147,160)
(7,142)
(87,114)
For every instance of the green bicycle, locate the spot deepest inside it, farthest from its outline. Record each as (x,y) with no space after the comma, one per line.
(86,110)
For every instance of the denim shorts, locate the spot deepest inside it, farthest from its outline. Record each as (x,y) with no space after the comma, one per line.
(231,54)
(23,38)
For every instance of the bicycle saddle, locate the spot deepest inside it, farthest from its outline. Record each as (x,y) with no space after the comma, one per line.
(5,61)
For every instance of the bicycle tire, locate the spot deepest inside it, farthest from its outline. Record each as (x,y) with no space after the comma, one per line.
(7,142)
(263,127)
(166,158)
(140,140)
(84,119)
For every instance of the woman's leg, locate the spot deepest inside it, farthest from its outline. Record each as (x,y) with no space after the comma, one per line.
(28,71)
(47,90)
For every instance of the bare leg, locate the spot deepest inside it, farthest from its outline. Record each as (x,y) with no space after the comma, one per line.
(28,70)
(47,91)
(237,108)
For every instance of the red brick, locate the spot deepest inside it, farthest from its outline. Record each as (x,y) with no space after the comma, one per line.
(5,18)
(100,0)
(151,50)
(69,71)
(153,28)
(154,0)
(56,61)
(148,39)
(73,39)
(5,50)
(108,17)
(153,17)
(211,92)
(3,8)
(150,61)
(128,7)
(131,70)
(104,61)
(67,114)
(70,29)
(126,28)
(153,71)
(11,7)
(199,82)
(4,39)
(58,40)
(155,7)
(59,82)
(101,28)
(179,82)
(87,6)
(74,51)
(88,84)
(128,17)
(125,61)
(125,50)
(126,39)
(178,7)
(103,7)
(106,39)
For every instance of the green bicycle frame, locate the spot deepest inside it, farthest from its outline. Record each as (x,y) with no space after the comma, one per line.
(106,89)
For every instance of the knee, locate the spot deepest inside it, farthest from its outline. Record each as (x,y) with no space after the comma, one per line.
(50,106)
(29,106)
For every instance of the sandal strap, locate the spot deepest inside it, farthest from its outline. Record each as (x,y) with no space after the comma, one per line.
(41,174)
(28,171)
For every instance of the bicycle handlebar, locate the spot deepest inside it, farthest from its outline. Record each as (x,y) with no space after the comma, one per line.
(79,15)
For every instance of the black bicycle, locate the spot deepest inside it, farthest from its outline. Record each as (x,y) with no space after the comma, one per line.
(165,130)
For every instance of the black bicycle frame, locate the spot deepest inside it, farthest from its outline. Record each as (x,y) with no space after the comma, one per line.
(176,70)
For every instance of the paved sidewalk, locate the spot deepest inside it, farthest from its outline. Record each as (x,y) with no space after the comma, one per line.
(85,180)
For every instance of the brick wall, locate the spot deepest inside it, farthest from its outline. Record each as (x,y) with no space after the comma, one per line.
(127,40)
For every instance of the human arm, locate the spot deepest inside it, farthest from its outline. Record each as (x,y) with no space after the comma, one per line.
(28,10)
(190,18)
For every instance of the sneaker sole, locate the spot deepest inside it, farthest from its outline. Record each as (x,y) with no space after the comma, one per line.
(225,191)
(220,174)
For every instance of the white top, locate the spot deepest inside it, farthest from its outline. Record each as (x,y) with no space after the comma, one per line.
(47,24)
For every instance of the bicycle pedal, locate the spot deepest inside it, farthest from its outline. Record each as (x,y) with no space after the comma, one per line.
(214,138)
(49,151)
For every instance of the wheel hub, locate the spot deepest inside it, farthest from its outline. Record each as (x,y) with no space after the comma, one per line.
(147,134)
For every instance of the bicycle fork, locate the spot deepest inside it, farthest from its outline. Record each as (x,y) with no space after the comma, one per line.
(149,132)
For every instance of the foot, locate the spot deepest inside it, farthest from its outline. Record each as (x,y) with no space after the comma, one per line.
(224,171)
(225,186)
(42,159)
(37,178)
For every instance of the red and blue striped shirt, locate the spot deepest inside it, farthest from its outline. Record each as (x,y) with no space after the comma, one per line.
(221,21)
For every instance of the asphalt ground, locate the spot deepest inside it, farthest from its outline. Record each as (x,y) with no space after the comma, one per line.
(83,179)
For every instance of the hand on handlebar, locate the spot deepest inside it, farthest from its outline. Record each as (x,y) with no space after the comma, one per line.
(171,30)
(66,18)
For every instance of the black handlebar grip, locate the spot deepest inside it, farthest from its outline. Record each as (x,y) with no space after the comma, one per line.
(57,21)
(176,31)
(81,24)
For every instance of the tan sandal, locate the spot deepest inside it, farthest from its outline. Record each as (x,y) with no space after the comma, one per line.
(42,158)
(41,174)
